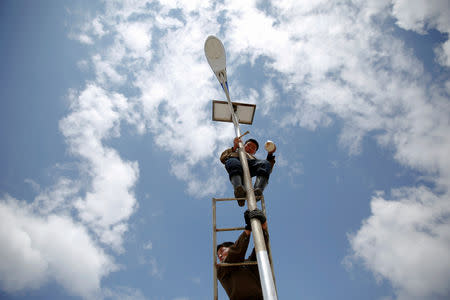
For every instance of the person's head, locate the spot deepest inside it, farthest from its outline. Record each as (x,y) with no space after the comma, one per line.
(251,146)
(222,250)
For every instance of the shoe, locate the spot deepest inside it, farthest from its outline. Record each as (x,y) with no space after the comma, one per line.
(239,190)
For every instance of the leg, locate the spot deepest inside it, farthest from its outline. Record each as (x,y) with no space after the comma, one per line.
(234,169)
(261,168)
(233,166)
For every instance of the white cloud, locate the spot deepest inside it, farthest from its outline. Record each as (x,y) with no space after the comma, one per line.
(294,171)
(84,39)
(83,65)
(154,270)
(97,27)
(421,16)
(41,241)
(174,102)
(106,70)
(57,198)
(407,241)
(212,185)
(148,245)
(123,293)
(109,201)
(443,54)
(269,97)
(37,248)
(137,38)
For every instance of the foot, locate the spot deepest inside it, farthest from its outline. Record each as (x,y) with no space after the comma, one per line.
(239,192)
(258,192)
(260,184)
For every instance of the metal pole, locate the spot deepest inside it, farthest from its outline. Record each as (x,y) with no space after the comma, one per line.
(265,272)
(269,249)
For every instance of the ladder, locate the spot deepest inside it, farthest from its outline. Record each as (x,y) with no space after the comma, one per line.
(215,230)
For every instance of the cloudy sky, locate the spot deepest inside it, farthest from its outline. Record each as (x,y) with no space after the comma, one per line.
(109,156)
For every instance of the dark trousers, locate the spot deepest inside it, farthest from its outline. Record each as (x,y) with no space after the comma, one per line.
(258,167)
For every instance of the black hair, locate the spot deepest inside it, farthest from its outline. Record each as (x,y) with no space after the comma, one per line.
(224,244)
(254,142)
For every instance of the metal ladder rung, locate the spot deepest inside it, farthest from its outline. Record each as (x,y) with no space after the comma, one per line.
(237,264)
(228,199)
(229,229)
(231,199)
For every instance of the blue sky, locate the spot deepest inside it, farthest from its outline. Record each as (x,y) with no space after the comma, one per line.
(109,156)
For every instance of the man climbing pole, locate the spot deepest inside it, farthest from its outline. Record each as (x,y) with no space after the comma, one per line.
(261,168)
(241,282)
